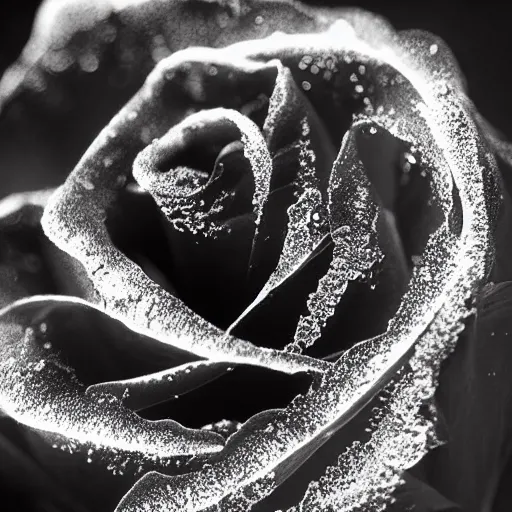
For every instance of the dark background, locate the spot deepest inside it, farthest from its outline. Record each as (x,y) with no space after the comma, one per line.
(479,34)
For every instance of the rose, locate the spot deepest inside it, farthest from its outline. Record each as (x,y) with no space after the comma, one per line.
(75,220)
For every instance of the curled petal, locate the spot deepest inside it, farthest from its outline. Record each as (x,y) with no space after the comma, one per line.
(75,220)
(40,391)
(142,392)
(29,263)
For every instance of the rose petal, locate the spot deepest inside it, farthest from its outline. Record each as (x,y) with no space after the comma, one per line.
(474,397)
(29,263)
(42,392)
(20,473)
(290,116)
(502,268)
(142,392)
(420,497)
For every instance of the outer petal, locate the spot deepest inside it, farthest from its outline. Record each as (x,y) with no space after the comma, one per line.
(474,398)
(85,59)
(40,390)
(29,263)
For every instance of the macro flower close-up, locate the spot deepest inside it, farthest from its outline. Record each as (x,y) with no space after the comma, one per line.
(254,255)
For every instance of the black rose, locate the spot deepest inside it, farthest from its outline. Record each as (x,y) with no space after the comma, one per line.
(304,212)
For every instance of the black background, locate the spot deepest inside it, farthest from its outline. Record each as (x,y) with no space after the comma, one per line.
(479,34)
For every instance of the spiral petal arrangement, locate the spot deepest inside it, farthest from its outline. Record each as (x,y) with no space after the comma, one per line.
(245,104)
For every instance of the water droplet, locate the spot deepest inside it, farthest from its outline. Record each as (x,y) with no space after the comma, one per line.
(87,184)
(258,20)
(223,19)
(39,366)
(47,346)
(305,128)
(354,77)
(362,69)
(145,135)
(417,259)
(359,88)
(407,161)
(159,40)
(373,130)
(159,53)
(58,61)
(306,85)
(43,327)
(121,181)
(109,33)
(443,89)
(410,158)
(89,63)
(433,49)
(212,70)
(315,69)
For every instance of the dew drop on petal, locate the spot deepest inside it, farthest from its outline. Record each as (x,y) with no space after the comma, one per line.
(416,259)
(89,63)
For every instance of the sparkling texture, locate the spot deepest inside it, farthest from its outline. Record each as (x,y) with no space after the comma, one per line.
(409,87)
